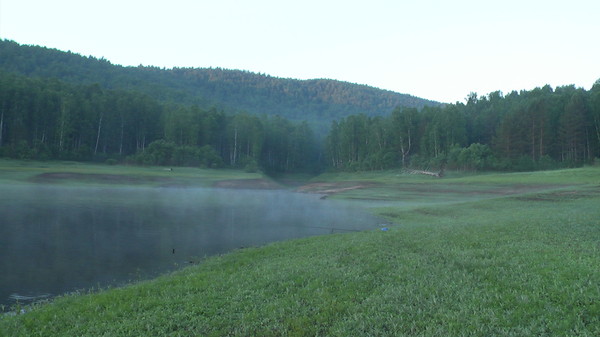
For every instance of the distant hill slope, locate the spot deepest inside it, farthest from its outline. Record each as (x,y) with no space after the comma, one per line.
(317,101)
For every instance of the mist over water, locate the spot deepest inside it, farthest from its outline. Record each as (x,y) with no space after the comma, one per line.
(57,239)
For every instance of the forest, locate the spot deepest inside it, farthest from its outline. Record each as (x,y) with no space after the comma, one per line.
(60,105)
(317,101)
(48,119)
(543,128)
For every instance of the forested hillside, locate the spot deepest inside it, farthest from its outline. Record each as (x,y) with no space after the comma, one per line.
(538,129)
(60,105)
(317,101)
(49,119)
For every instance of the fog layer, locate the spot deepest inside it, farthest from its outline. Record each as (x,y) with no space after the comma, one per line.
(59,239)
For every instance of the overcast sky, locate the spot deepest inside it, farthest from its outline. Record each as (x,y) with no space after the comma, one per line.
(439,50)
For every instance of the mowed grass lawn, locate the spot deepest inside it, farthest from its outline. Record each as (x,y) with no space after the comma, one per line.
(525,263)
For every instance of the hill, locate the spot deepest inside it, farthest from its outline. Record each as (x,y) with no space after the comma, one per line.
(320,100)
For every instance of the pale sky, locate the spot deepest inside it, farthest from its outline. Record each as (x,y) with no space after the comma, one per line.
(434,49)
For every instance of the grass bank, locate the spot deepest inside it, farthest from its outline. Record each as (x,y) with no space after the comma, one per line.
(85,174)
(499,260)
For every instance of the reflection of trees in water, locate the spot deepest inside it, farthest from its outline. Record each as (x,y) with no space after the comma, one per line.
(59,239)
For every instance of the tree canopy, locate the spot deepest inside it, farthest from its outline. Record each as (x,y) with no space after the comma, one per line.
(60,105)
(317,101)
(527,130)
(48,119)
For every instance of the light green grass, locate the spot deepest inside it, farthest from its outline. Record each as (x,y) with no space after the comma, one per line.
(17,171)
(522,264)
(584,175)
(404,190)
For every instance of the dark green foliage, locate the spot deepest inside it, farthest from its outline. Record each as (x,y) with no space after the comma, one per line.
(61,105)
(57,105)
(319,100)
(538,129)
(47,119)
(473,158)
(166,153)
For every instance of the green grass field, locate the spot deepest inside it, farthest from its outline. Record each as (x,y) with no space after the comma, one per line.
(471,255)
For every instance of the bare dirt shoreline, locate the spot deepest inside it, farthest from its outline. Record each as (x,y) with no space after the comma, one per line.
(332,188)
(97,177)
(250,184)
(54,177)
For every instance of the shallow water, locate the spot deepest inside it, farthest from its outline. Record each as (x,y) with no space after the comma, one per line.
(56,239)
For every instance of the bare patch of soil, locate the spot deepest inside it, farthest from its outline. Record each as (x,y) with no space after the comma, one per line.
(332,188)
(96,177)
(463,189)
(248,184)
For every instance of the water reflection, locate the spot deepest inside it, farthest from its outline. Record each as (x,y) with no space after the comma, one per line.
(59,239)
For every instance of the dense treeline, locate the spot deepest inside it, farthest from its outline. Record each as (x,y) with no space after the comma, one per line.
(537,129)
(49,119)
(317,101)
(56,104)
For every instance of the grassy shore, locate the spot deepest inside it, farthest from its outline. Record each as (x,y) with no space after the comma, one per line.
(472,255)
(75,173)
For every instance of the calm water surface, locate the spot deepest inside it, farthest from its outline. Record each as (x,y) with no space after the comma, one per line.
(57,239)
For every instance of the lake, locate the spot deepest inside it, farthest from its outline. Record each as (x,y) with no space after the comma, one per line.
(59,239)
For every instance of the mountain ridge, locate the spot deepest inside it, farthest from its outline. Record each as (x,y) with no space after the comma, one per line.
(321,100)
